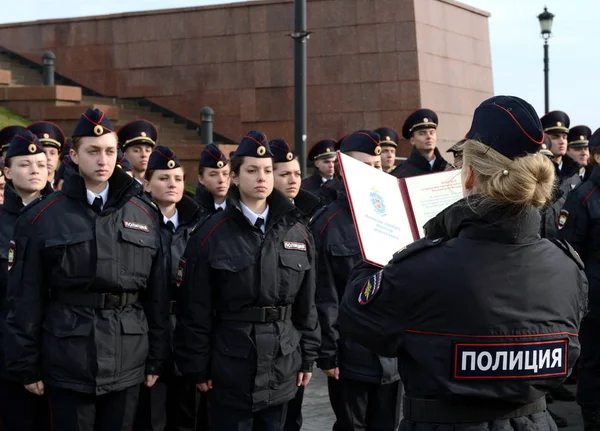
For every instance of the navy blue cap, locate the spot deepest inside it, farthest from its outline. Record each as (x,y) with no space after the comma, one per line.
(163,158)
(594,140)
(7,133)
(389,137)
(93,123)
(507,124)
(324,149)
(24,143)
(418,120)
(138,132)
(254,144)
(49,134)
(363,141)
(579,136)
(555,122)
(123,162)
(60,172)
(212,157)
(281,151)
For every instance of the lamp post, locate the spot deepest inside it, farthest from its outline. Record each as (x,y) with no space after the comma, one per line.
(48,62)
(206,125)
(546,27)
(300,36)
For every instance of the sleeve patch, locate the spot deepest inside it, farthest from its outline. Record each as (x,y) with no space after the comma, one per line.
(562,218)
(180,272)
(12,254)
(370,288)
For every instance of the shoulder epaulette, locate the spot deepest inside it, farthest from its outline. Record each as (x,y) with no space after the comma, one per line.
(317,214)
(415,247)
(201,222)
(569,251)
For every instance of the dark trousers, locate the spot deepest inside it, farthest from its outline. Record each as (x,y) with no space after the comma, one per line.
(20,410)
(77,411)
(364,406)
(588,381)
(228,419)
(293,420)
(170,405)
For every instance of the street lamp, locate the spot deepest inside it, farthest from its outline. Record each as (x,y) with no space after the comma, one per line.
(546,19)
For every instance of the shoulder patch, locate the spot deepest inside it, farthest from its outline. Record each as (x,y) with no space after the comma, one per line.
(371,288)
(569,251)
(415,247)
(562,218)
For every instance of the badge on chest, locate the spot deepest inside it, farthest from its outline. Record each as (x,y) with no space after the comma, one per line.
(136,226)
(291,245)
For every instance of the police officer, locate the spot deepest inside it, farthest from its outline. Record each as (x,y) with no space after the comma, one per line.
(247,325)
(172,402)
(577,147)
(578,223)
(26,167)
(420,128)
(389,143)
(213,180)
(363,388)
(53,139)
(138,139)
(88,310)
(322,154)
(483,337)
(6,135)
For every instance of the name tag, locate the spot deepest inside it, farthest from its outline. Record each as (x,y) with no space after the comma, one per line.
(136,226)
(532,360)
(289,245)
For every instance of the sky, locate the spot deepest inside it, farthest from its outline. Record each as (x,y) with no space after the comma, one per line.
(516,44)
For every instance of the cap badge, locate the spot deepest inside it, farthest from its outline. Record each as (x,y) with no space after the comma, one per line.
(261,151)
(220,164)
(143,134)
(171,164)
(559,124)
(377,150)
(387,138)
(32,148)
(98,130)
(46,136)
(328,150)
(544,147)
(289,156)
(581,137)
(425,120)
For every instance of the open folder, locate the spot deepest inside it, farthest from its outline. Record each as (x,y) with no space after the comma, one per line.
(389,213)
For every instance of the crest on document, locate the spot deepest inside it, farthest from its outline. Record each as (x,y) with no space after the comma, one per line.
(562,218)
(180,272)
(377,202)
(12,254)
(370,288)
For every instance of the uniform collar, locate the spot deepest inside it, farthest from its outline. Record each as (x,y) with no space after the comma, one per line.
(252,217)
(222,205)
(174,220)
(91,196)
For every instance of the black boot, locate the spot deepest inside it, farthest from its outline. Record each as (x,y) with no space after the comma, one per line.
(562,394)
(559,420)
(591,418)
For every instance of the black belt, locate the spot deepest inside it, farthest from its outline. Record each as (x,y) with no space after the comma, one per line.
(257,314)
(96,300)
(445,412)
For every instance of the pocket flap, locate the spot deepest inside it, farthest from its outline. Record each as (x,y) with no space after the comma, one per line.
(234,264)
(297,261)
(132,326)
(346,249)
(141,239)
(289,344)
(64,329)
(73,238)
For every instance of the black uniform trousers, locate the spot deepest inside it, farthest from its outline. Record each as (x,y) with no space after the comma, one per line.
(293,420)
(20,410)
(362,406)
(227,419)
(78,411)
(588,379)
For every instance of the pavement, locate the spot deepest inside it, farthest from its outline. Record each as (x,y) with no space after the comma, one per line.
(318,415)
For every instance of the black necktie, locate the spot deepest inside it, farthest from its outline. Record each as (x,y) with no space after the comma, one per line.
(219,209)
(259,222)
(97,204)
(170,225)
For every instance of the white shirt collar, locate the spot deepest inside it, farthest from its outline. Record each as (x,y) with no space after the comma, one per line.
(324,180)
(103,194)
(174,220)
(432,161)
(252,217)
(223,205)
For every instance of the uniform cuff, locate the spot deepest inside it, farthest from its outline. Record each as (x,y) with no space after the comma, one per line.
(328,363)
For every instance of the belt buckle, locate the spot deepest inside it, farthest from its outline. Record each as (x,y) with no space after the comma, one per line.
(113,300)
(272,314)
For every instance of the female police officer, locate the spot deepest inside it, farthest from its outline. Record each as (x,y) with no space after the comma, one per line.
(481,339)
(88,316)
(213,180)
(247,323)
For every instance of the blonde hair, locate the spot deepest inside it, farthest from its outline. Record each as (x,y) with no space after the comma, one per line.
(526,180)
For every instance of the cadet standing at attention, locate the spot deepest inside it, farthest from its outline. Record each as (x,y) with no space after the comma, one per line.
(6,135)
(482,338)
(322,154)
(53,139)
(389,143)
(138,139)
(88,305)
(213,180)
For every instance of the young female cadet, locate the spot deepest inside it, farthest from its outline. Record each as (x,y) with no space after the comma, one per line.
(27,174)
(246,320)
(213,179)
(88,306)
(172,401)
(482,338)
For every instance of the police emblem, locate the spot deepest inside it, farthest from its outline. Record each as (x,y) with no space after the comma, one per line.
(370,288)
(98,130)
(220,164)
(377,202)
(180,272)
(562,218)
(171,164)
(12,254)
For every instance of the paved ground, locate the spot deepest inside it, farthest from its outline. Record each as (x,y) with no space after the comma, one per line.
(319,417)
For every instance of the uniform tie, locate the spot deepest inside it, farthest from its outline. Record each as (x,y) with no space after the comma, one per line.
(219,209)
(170,225)
(259,223)
(97,204)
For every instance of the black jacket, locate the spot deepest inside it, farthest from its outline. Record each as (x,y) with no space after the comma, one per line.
(580,221)
(338,252)
(229,267)
(205,199)
(468,315)
(9,212)
(568,176)
(67,255)
(308,204)
(323,190)
(416,164)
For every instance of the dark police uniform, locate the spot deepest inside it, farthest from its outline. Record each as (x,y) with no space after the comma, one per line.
(173,401)
(322,150)
(389,138)
(211,157)
(6,135)
(20,410)
(477,348)
(88,303)
(579,225)
(50,136)
(416,164)
(246,317)
(579,137)
(366,394)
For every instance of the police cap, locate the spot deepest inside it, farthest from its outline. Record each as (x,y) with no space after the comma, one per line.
(162,158)
(49,134)
(546,146)
(363,141)
(212,157)
(123,162)
(389,137)
(281,151)
(418,120)
(138,132)
(93,123)
(594,140)
(579,136)
(7,133)
(24,143)
(323,149)
(254,144)
(556,122)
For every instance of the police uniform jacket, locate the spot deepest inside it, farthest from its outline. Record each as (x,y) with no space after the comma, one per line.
(579,224)
(568,176)
(246,316)
(308,204)
(338,253)
(205,199)
(416,164)
(87,294)
(484,321)
(9,212)
(315,185)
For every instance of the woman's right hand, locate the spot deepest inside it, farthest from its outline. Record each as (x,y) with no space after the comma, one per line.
(334,372)
(36,388)
(204,387)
